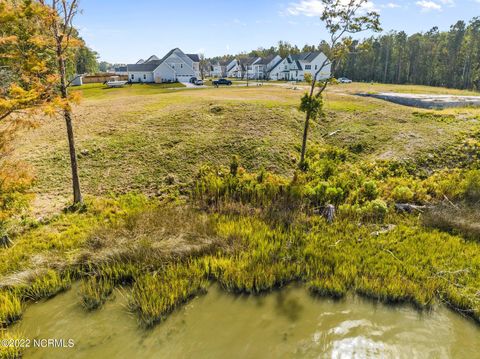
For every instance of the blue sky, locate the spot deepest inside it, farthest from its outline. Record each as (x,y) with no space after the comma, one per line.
(123,31)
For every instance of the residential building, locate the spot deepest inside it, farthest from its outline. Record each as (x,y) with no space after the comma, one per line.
(174,66)
(294,67)
(219,68)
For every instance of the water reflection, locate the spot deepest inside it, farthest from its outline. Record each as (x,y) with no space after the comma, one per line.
(285,324)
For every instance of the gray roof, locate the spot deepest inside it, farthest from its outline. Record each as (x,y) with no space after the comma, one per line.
(247,62)
(277,63)
(121,69)
(194,57)
(141,61)
(266,60)
(306,56)
(152,58)
(149,66)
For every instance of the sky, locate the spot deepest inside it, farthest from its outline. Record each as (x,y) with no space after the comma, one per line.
(123,31)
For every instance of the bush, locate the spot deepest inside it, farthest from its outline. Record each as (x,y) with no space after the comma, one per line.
(402,194)
(375,210)
(369,191)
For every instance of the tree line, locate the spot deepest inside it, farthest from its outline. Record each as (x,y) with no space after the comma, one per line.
(435,58)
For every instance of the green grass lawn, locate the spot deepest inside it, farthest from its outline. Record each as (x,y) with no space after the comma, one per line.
(100,91)
(133,138)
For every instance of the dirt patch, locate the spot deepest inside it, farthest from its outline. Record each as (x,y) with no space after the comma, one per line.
(427,101)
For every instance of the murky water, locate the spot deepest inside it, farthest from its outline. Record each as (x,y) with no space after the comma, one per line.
(285,324)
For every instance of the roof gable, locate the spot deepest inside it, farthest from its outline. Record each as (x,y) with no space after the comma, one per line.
(152,58)
(194,57)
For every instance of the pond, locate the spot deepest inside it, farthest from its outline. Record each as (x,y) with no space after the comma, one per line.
(284,324)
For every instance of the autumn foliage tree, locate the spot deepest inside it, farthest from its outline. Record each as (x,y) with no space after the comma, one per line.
(342,18)
(37,41)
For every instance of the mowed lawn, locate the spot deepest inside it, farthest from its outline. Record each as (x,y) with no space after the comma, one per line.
(145,137)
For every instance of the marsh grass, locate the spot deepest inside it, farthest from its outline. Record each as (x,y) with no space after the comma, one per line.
(47,285)
(154,295)
(10,351)
(10,308)
(95,291)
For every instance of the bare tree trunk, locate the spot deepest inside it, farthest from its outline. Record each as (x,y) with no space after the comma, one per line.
(386,65)
(305,138)
(67,114)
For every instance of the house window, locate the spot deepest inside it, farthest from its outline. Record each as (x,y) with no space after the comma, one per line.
(308,67)
(315,67)
(181,66)
(133,76)
(144,76)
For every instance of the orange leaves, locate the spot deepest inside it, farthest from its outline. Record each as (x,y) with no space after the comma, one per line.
(75,97)
(15,176)
(41,40)
(8,40)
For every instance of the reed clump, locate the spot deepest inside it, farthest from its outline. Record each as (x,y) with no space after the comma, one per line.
(10,308)
(10,351)
(47,285)
(95,291)
(154,295)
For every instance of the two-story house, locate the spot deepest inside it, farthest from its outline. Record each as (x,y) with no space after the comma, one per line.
(174,66)
(294,67)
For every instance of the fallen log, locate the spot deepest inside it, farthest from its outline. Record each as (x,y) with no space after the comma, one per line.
(409,208)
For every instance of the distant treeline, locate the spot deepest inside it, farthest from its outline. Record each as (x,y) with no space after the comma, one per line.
(450,58)
(436,58)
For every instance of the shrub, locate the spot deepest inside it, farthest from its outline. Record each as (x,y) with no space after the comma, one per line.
(375,210)
(369,191)
(402,194)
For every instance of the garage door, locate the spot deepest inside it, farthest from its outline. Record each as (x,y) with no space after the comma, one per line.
(184,78)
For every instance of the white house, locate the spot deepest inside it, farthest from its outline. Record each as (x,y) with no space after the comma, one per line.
(294,67)
(234,69)
(251,68)
(260,68)
(220,68)
(174,66)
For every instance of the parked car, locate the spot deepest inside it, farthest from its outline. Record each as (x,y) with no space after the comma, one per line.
(199,82)
(222,82)
(344,80)
(192,80)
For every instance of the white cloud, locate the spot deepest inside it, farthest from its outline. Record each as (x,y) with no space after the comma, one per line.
(315,7)
(438,5)
(392,5)
(428,5)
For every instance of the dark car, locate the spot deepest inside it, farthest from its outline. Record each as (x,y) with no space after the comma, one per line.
(192,80)
(222,82)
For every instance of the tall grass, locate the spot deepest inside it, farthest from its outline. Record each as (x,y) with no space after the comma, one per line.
(10,351)
(95,291)
(10,308)
(154,295)
(47,285)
